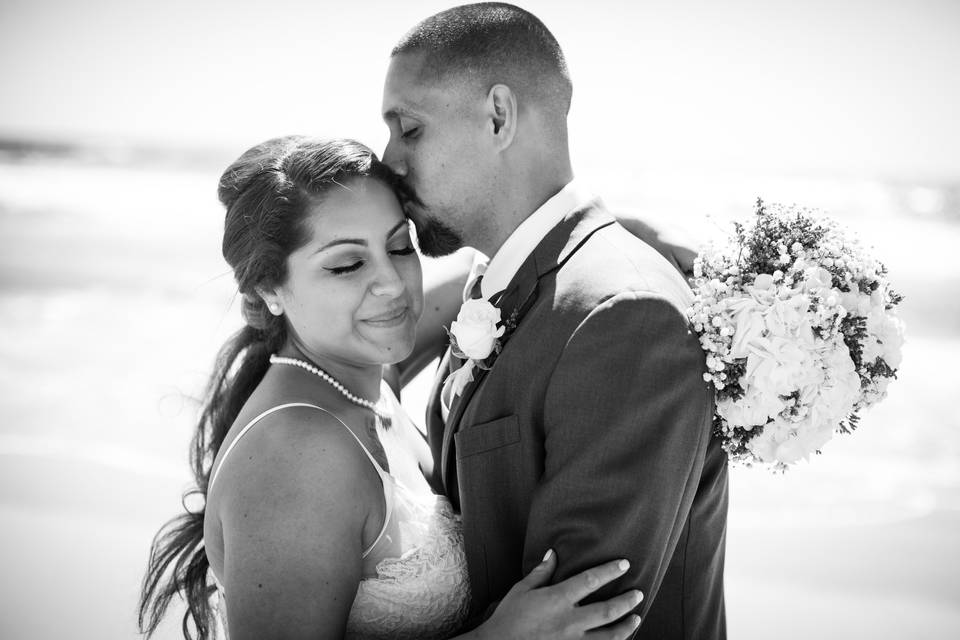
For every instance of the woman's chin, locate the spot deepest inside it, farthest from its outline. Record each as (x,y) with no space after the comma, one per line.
(394,354)
(395,348)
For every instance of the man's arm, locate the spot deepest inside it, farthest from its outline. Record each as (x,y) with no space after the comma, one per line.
(627,420)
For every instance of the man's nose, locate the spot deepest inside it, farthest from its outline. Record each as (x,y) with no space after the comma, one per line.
(394,159)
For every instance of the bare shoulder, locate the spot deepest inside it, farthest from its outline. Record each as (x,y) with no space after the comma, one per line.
(296,497)
(293,457)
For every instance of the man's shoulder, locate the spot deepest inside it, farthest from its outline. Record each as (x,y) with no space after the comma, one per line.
(613,262)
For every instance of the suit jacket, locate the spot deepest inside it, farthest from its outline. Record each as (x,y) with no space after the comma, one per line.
(591,434)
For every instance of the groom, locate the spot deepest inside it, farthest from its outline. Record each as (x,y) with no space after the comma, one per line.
(589,432)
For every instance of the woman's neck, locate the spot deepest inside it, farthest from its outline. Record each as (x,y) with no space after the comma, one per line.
(360,380)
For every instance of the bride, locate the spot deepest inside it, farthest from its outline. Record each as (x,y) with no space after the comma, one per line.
(317,520)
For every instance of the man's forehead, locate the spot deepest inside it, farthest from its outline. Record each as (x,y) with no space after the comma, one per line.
(413,86)
(403,83)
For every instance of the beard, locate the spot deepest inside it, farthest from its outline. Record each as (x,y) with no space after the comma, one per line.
(436,238)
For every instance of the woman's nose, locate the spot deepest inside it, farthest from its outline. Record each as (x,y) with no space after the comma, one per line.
(388,282)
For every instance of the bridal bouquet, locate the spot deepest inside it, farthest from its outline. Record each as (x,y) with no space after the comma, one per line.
(799,326)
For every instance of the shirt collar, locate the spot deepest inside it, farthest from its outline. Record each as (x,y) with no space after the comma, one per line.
(499,271)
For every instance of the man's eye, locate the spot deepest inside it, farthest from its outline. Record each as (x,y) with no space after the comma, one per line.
(410,133)
(347,269)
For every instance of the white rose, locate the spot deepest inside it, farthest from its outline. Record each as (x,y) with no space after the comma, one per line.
(475,328)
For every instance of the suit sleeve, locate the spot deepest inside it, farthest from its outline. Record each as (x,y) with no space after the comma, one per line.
(627,419)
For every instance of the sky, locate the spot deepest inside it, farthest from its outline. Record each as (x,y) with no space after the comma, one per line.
(852,87)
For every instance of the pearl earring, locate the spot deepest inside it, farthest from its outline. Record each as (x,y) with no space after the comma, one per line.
(274,309)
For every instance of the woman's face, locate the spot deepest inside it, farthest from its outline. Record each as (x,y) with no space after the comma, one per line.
(354,292)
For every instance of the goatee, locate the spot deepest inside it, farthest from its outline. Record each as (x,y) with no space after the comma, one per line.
(435,238)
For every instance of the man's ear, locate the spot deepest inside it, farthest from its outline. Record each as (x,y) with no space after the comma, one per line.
(502,111)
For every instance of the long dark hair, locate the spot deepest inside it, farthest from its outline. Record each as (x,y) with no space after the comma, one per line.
(267,193)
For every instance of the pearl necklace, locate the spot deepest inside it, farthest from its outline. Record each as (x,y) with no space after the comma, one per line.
(317,371)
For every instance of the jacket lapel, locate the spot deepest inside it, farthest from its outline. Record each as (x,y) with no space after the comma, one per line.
(556,248)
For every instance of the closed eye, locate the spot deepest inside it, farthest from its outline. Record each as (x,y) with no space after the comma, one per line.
(410,133)
(347,269)
(406,251)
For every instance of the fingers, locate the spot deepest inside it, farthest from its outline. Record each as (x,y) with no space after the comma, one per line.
(620,631)
(540,574)
(578,587)
(598,614)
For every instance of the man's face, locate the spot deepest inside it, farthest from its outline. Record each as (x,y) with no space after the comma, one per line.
(437,145)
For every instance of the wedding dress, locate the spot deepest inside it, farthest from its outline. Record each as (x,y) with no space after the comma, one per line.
(414,581)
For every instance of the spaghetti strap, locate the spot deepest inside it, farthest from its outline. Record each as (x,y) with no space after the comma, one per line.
(246,428)
(384,476)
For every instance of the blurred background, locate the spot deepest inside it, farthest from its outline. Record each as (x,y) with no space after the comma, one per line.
(117,116)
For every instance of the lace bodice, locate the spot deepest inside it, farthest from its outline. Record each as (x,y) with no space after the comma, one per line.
(423,592)
(418,586)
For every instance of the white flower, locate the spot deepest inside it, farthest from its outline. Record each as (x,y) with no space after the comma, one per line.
(762,282)
(816,277)
(460,378)
(764,446)
(842,389)
(884,338)
(750,326)
(855,302)
(752,410)
(801,441)
(778,366)
(475,328)
(789,318)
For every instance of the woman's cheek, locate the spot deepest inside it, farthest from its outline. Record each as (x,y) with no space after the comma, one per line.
(414,281)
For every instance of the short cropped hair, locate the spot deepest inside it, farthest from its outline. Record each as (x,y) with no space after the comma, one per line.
(490,43)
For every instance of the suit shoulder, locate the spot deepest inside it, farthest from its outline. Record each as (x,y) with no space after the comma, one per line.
(613,262)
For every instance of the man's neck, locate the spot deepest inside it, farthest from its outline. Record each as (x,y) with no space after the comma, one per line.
(525,200)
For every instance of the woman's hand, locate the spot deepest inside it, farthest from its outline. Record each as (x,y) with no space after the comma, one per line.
(531,610)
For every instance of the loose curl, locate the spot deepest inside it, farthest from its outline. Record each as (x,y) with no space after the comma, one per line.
(267,193)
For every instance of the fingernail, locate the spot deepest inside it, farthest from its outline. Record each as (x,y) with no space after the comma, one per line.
(548,555)
(623,565)
(635,621)
(638,596)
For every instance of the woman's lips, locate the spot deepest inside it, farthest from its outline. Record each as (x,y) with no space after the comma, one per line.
(392,318)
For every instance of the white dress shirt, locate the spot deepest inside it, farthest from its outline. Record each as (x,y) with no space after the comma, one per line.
(499,271)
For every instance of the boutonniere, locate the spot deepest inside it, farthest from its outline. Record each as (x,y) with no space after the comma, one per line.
(478,336)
